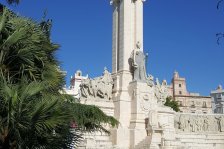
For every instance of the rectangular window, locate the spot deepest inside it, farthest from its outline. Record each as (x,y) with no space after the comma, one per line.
(180,92)
(179,85)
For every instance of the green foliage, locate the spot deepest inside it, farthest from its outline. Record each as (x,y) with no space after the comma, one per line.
(90,118)
(172,103)
(27,116)
(24,43)
(33,112)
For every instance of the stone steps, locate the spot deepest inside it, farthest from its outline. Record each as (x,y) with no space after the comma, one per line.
(96,141)
(201,141)
(144,144)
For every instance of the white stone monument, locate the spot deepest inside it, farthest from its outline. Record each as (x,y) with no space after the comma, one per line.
(127,32)
(137,101)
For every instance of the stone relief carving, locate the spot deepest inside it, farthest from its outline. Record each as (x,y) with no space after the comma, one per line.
(145,103)
(199,123)
(100,87)
(161,92)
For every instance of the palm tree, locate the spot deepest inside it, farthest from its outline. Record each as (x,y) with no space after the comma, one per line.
(33,111)
(25,44)
(29,116)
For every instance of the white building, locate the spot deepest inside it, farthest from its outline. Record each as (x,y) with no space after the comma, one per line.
(218,100)
(76,80)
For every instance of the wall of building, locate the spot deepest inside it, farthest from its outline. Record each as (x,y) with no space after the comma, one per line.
(218,100)
(76,80)
(189,102)
(194,104)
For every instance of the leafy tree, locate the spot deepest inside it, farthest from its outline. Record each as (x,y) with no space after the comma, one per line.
(34,113)
(172,103)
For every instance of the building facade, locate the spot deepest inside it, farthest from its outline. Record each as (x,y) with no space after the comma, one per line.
(76,80)
(189,102)
(218,100)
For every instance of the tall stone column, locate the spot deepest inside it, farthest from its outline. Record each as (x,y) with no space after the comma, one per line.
(127,31)
(138,19)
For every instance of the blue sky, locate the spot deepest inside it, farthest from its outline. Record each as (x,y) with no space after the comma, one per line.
(178,35)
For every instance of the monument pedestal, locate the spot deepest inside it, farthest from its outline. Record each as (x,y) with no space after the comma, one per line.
(141,101)
(163,134)
(122,103)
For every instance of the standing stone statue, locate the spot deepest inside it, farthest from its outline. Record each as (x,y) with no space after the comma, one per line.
(137,64)
(161,92)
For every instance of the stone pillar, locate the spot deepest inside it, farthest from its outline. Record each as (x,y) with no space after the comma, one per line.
(138,22)
(127,31)
(115,38)
(122,103)
(142,100)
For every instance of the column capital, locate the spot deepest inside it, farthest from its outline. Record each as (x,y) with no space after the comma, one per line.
(114,2)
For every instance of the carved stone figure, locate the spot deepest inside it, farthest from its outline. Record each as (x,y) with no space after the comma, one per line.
(100,87)
(222,123)
(161,92)
(210,124)
(200,123)
(86,88)
(215,124)
(177,121)
(184,123)
(205,124)
(145,103)
(137,64)
(150,80)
